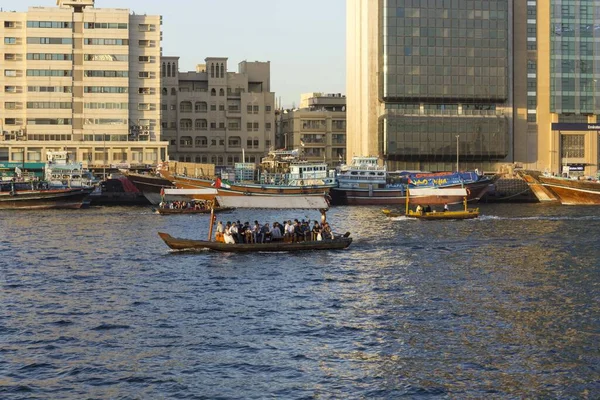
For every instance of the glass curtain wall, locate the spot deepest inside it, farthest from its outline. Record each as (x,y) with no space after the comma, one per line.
(445,74)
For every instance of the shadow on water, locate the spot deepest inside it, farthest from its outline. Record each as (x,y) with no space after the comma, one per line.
(95,305)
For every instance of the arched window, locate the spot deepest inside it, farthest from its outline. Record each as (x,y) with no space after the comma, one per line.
(212,70)
(169,69)
(201,141)
(174,70)
(213,159)
(173,92)
(165,91)
(186,125)
(201,106)
(221,92)
(220,160)
(185,106)
(222,71)
(164,70)
(201,124)
(213,92)
(185,141)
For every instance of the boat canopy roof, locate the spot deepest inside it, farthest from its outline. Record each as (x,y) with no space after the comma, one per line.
(274,202)
(437,192)
(190,192)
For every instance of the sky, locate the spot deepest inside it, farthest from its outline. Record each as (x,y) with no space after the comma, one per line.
(305,41)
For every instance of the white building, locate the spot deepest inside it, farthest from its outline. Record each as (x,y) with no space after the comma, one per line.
(83,79)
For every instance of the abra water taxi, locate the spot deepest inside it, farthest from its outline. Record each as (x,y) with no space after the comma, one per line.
(420,213)
(263,202)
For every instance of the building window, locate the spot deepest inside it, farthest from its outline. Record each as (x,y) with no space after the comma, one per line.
(201,124)
(200,106)
(213,107)
(185,107)
(268,126)
(221,92)
(572,146)
(185,124)
(221,107)
(267,109)
(201,141)
(213,92)
(173,92)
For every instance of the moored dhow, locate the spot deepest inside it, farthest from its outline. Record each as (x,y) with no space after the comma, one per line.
(568,191)
(40,195)
(365,182)
(281,173)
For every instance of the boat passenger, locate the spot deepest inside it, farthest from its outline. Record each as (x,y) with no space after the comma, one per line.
(327,234)
(265,233)
(446,208)
(276,232)
(227,235)
(419,209)
(233,230)
(316,230)
(289,231)
(427,209)
(298,231)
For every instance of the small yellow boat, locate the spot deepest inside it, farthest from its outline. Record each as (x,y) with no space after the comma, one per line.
(466,213)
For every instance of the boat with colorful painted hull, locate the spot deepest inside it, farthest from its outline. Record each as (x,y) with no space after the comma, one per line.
(365,182)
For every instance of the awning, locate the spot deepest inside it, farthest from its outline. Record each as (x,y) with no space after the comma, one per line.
(280,202)
(190,192)
(417,192)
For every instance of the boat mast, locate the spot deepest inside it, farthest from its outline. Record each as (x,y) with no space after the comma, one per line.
(407,195)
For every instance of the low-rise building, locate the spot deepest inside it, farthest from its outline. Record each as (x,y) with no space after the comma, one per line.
(215,116)
(317,128)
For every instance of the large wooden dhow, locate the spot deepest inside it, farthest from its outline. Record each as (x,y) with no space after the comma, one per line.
(281,173)
(263,202)
(566,190)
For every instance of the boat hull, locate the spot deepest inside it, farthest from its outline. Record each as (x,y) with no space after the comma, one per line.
(396,196)
(572,192)
(188,244)
(250,189)
(71,198)
(437,216)
(178,211)
(150,186)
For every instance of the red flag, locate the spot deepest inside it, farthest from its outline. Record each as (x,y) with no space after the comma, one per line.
(217,183)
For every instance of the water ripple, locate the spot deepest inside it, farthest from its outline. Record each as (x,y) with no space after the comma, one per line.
(96,306)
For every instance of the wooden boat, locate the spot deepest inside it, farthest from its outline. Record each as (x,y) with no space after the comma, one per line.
(568,191)
(467,213)
(175,211)
(303,179)
(38,195)
(149,185)
(365,182)
(263,202)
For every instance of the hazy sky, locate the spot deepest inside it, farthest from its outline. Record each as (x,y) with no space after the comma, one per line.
(304,40)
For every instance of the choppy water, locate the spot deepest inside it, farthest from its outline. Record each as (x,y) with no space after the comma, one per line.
(94,305)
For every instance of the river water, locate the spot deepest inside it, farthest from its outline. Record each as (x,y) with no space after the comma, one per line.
(94,305)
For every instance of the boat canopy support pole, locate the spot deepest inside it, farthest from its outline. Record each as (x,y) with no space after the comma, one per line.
(407,195)
(212,221)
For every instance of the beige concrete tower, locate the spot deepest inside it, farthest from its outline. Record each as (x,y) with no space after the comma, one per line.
(83,79)
(362,77)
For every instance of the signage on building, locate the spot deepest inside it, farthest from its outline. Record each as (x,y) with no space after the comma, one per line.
(576,167)
(564,126)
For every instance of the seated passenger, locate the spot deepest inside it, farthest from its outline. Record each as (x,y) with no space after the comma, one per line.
(276,232)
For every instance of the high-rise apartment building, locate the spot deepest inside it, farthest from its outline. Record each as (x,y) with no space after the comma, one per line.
(215,116)
(83,79)
(493,82)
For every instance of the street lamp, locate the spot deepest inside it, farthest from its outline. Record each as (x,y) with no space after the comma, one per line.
(457,136)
